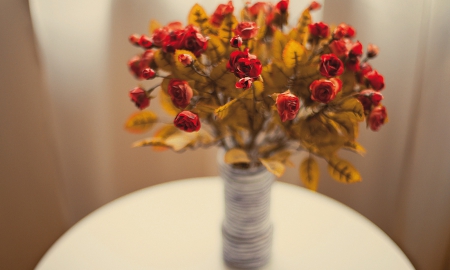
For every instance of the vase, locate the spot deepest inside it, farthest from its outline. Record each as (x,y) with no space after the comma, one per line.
(247,228)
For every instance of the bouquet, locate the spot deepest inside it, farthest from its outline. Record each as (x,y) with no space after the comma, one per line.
(258,89)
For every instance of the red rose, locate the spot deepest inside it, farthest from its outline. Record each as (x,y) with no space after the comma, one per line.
(377,117)
(375,80)
(148,73)
(159,35)
(314,5)
(369,98)
(244,64)
(171,41)
(134,39)
(364,69)
(339,47)
(355,49)
(330,65)
(287,106)
(134,66)
(246,30)
(372,50)
(220,13)
(325,91)
(187,121)
(185,59)
(343,30)
(244,83)
(282,6)
(139,97)
(145,42)
(180,93)
(192,40)
(319,29)
(175,26)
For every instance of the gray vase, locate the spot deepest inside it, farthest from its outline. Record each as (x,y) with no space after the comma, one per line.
(247,228)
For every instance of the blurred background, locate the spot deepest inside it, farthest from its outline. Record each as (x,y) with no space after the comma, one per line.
(63,104)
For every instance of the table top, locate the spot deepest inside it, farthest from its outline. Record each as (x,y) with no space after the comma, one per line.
(177,225)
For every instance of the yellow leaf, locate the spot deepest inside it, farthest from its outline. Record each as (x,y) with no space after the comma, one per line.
(153,25)
(355,147)
(258,87)
(161,135)
(216,50)
(229,23)
(236,155)
(302,27)
(163,60)
(348,82)
(342,170)
(273,166)
(180,140)
(197,16)
(222,111)
(353,108)
(261,24)
(188,73)
(221,76)
(140,122)
(293,54)
(156,142)
(309,173)
(167,105)
(346,124)
(279,42)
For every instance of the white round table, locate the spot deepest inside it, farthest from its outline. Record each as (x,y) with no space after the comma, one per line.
(177,225)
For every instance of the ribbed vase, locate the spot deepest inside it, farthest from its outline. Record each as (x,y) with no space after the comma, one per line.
(247,228)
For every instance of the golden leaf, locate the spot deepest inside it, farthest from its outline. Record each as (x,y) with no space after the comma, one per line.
(222,111)
(180,140)
(197,16)
(302,27)
(348,82)
(156,142)
(221,76)
(309,173)
(163,60)
(342,170)
(279,42)
(355,147)
(141,121)
(236,155)
(167,105)
(353,108)
(188,73)
(283,156)
(273,166)
(161,135)
(346,124)
(153,25)
(229,23)
(215,50)
(293,54)
(261,24)
(258,87)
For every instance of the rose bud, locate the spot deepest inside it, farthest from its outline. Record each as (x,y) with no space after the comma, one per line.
(192,40)
(282,6)
(220,13)
(243,64)
(139,97)
(180,93)
(355,50)
(185,59)
(146,59)
(171,41)
(325,91)
(145,42)
(314,6)
(148,73)
(339,47)
(175,26)
(372,50)
(375,80)
(377,117)
(244,83)
(159,35)
(319,29)
(343,30)
(187,121)
(134,39)
(246,30)
(287,106)
(364,69)
(134,66)
(236,42)
(369,98)
(265,7)
(330,65)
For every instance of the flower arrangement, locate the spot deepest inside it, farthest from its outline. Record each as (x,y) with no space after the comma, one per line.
(259,90)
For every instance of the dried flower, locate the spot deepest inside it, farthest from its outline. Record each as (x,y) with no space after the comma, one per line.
(282,6)
(246,30)
(134,39)
(325,91)
(236,42)
(244,83)
(288,106)
(243,64)
(145,42)
(369,98)
(314,6)
(148,74)
(319,29)
(343,31)
(377,118)
(180,93)
(185,59)
(139,97)
(375,80)
(220,13)
(330,65)
(187,121)
(159,35)
(372,50)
